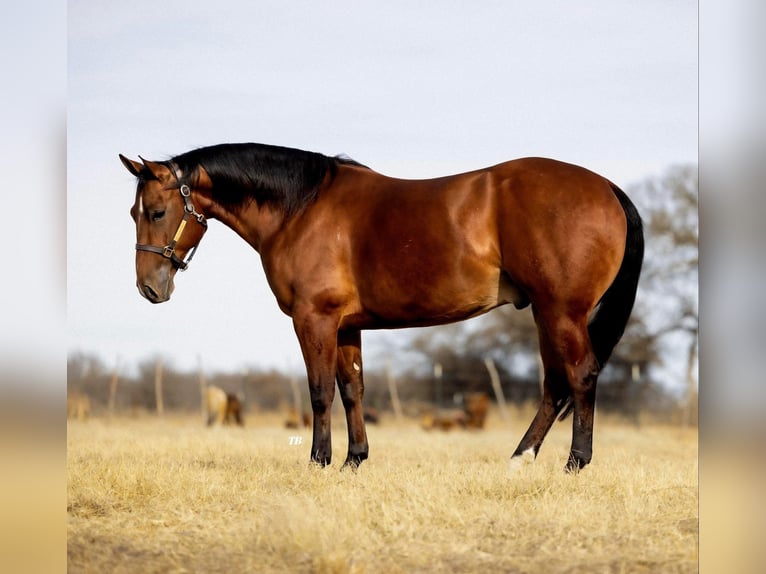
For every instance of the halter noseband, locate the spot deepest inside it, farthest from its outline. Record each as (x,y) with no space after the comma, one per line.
(168,252)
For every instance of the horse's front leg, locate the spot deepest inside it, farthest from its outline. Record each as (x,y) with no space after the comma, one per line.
(318,335)
(351,386)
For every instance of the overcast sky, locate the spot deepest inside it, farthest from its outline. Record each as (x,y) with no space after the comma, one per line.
(412,89)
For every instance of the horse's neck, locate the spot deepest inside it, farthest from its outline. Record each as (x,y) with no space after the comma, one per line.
(255,224)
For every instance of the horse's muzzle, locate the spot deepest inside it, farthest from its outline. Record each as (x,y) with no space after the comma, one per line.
(151,295)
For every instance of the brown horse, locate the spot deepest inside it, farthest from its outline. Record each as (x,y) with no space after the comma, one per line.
(476,406)
(345,249)
(222,407)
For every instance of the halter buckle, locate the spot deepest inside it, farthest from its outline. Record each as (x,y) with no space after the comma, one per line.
(167,252)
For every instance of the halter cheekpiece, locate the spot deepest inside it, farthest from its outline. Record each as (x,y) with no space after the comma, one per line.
(168,252)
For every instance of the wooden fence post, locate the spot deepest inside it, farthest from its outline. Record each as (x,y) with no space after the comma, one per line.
(297,403)
(395,404)
(438,372)
(158,387)
(495,379)
(202,390)
(113,387)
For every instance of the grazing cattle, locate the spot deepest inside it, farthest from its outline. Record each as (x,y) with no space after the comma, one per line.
(222,408)
(346,249)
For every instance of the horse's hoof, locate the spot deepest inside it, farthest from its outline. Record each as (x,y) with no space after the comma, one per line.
(320,461)
(520,460)
(353,461)
(575,464)
(350,465)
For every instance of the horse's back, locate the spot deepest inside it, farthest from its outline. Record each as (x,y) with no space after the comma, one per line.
(395,252)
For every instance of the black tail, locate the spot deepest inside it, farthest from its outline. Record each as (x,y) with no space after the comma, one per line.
(614,310)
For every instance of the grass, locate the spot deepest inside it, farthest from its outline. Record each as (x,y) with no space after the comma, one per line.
(147,495)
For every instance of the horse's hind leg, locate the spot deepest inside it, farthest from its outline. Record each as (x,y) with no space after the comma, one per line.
(555,395)
(571,370)
(351,386)
(582,377)
(568,335)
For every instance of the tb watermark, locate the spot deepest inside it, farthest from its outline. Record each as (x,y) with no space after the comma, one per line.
(295,440)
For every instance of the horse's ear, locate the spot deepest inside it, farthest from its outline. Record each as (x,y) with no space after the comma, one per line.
(132,166)
(158,170)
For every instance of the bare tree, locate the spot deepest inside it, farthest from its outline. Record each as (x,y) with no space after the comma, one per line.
(668,297)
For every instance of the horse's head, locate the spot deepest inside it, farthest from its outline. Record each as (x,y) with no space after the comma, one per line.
(168,228)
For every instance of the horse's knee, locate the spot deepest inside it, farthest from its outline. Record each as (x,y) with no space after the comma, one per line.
(351,393)
(321,394)
(320,402)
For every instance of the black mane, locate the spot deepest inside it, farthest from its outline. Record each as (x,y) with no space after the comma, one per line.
(287,179)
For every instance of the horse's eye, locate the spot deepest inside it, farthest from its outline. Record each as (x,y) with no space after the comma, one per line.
(157,215)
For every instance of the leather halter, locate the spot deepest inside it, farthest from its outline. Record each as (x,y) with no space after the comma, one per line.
(168,252)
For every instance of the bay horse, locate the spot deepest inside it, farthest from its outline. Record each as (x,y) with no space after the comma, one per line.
(346,249)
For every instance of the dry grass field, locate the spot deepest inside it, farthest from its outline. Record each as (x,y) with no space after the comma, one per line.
(147,495)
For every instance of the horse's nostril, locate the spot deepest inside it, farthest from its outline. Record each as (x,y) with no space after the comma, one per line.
(150,293)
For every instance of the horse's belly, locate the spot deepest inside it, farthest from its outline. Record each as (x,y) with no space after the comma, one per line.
(420,303)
